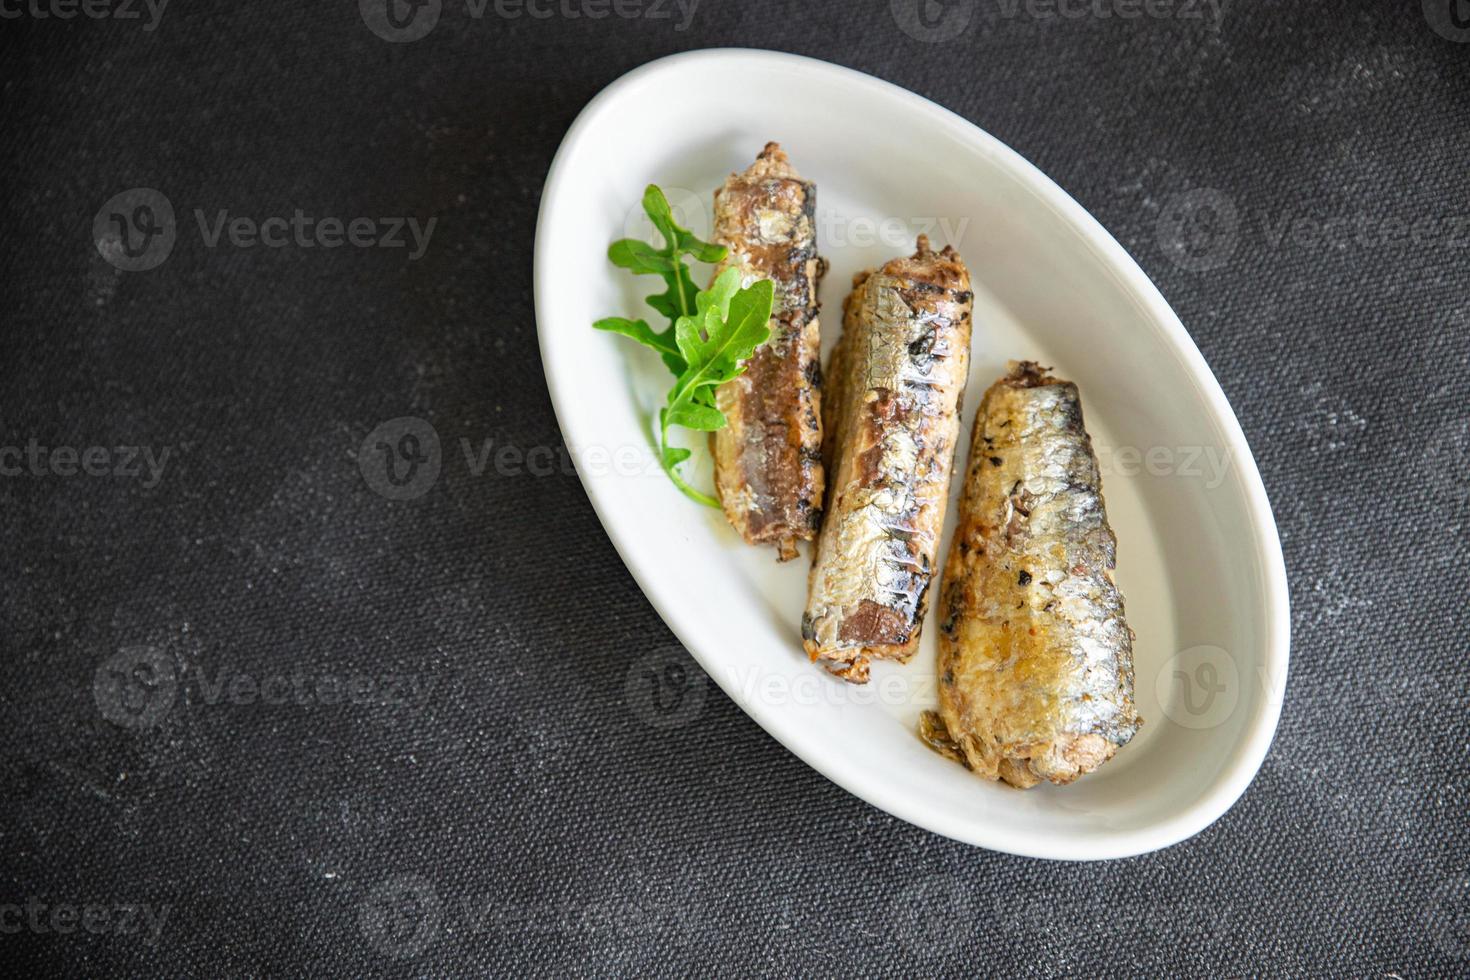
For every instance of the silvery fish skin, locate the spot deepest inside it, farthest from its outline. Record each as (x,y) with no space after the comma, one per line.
(1035,656)
(896,381)
(768,465)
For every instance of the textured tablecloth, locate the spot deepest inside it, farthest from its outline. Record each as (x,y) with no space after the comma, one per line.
(260,718)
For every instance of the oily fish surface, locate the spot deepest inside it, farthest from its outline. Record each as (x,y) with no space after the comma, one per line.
(768,464)
(1035,666)
(896,380)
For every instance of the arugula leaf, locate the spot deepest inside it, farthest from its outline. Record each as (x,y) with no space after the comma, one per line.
(678,297)
(641,258)
(662,217)
(640,331)
(711,335)
(731,323)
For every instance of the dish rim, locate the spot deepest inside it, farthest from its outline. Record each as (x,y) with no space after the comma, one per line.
(1250,752)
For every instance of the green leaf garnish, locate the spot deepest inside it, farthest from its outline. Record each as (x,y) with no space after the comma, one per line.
(711,332)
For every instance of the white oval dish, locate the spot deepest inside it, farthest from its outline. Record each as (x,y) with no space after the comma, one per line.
(1199,562)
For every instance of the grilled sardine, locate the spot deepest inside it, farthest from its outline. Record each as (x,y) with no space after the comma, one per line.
(892,421)
(768,466)
(1035,658)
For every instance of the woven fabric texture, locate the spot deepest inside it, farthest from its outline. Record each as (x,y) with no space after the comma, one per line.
(261,718)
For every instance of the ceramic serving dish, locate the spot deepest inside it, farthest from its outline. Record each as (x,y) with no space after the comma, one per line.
(1199,562)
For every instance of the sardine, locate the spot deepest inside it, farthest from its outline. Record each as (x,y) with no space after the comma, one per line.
(897,378)
(768,466)
(1035,656)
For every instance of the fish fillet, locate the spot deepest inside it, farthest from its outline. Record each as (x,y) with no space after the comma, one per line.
(897,378)
(1035,656)
(768,465)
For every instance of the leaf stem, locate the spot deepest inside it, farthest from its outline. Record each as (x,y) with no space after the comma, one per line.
(683,298)
(672,471)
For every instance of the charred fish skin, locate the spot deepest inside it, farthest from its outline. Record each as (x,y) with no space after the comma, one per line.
(896,381)
(1035,654)
(768,465)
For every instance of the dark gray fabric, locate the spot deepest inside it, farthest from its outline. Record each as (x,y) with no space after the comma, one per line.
(461,778)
